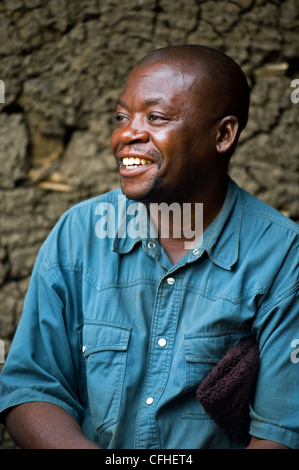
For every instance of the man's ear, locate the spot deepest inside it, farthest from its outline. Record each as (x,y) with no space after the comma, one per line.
(227,134)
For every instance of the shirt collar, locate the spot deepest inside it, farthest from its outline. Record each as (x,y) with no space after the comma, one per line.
(123,242)
(220,240)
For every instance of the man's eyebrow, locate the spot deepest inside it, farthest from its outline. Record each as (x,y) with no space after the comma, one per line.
(122,104)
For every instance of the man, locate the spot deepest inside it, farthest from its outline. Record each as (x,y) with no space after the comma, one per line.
(118,332)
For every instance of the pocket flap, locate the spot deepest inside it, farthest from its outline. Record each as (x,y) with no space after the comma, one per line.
(104,336)
(211,347)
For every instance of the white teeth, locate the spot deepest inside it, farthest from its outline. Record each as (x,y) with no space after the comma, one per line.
(132,163)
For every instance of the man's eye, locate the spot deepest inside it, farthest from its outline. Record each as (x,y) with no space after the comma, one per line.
(154,117)
(120,117)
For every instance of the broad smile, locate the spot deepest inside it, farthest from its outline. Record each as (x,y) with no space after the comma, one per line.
(131,167)
(132,163)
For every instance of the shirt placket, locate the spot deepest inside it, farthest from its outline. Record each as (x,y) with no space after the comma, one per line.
(163,331)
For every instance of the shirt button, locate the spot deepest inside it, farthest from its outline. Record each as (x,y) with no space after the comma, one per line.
(149,400)
(195,251)
(83,349)
(162,342)
(170,281)
(151,245)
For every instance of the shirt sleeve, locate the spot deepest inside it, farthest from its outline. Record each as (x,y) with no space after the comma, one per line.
(275,408)
(41,364)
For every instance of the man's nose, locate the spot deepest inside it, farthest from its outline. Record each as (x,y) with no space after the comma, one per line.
(134,131)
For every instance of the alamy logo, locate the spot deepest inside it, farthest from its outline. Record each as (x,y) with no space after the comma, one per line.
(136,220)
(295,354)
(2,351)
(2,92)
(295,93)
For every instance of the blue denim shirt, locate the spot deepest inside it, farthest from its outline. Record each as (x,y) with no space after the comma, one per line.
(121,338)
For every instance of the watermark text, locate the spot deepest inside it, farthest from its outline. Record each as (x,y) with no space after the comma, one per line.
(295,93)
(2,352)
(2,92)
(295,354)
(140,221)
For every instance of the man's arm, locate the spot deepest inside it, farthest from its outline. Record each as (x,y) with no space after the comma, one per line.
(257,443)
(40,425)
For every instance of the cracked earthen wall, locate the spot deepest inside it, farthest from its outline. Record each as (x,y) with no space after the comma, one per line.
(63,65)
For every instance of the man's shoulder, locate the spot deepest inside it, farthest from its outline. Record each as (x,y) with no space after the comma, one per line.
(85,209)
(255,208)
(78,222)
(108,197)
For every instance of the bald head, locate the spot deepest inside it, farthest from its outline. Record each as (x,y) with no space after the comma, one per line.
(224,82)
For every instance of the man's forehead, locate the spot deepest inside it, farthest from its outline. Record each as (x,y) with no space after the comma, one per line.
(172,69)
(162,78)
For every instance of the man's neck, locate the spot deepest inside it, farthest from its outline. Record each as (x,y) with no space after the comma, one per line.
(180,226)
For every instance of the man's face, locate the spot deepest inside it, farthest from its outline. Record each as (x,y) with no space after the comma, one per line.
(164,141)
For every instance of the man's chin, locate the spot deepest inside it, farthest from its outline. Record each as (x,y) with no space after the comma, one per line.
(153,193)
(135,194)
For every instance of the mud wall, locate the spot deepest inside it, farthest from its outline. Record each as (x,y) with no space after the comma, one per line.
(63,65)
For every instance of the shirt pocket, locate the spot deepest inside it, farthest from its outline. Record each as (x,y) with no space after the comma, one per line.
(202,352)
(105,347)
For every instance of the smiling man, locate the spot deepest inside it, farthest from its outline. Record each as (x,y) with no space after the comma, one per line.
(117,333)
(178,122)
(175,116)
